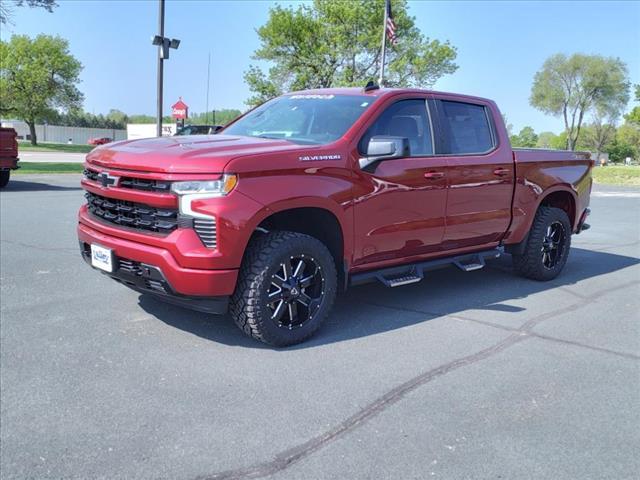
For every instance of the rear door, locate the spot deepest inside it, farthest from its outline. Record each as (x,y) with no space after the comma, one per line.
(400,205)
(480,172)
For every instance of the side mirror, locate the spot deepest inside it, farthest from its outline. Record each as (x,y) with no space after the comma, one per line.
(384,148)
(215,129)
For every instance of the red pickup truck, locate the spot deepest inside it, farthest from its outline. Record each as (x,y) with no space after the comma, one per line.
(8,154)
(318,190)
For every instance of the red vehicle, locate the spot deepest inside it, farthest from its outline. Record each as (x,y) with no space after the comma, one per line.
(314,191)
(8,154)
(99,140)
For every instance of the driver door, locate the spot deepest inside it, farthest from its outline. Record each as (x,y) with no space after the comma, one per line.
(400,204)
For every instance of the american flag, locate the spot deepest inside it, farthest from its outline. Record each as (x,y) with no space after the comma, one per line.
(390,27)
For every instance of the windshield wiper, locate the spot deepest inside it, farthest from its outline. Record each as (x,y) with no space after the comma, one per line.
(264,135)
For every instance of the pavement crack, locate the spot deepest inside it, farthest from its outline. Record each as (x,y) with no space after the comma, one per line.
(289,457)
(285,459)
(584,345)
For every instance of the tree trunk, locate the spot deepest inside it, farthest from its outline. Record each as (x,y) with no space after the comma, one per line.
(32,132)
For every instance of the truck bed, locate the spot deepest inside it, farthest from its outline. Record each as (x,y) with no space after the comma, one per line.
(547,155)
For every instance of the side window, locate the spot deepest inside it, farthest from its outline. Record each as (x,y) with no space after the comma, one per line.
(406,118)
(466,127)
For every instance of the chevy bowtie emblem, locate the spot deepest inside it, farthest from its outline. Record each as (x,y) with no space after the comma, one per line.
(108,180)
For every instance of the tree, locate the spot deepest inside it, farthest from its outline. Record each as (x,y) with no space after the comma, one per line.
(217,117)
(573,86)
(507,125)
(37,78)
(618,151)
(117,117)
(6,11)
(559,142)
(634,115)
(527,138)
(336,43)
(599,134)
(629,134)
(546,140)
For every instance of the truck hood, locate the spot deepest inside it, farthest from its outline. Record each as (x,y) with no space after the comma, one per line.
(187,154)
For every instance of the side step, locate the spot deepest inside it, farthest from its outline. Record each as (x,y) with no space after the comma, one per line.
(476,262)
(411,276)
(413,273)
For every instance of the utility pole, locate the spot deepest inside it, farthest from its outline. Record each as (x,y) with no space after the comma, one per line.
(160,69)
(164,44)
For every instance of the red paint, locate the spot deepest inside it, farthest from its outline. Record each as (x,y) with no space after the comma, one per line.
(8,149)
(407,209)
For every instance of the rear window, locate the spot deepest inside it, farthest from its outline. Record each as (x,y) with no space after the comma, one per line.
(467,128)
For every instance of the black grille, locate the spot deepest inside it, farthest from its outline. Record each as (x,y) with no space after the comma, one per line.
(142,184)
(90,174)
(133,215)
(133,183)
(146,277)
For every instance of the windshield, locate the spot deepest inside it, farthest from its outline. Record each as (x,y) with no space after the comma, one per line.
(303,118)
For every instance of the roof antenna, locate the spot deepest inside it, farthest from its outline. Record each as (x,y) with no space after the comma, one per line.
(371,86)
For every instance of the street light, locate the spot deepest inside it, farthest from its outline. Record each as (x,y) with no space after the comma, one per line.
(164,44)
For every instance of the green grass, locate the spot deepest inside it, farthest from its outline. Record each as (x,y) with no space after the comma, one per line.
(54,147)
(32,167)
(617,175)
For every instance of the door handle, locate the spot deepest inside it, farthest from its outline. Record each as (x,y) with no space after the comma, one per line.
(433,175)
(501,172)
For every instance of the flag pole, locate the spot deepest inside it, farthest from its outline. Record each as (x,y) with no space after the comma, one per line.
(384,43)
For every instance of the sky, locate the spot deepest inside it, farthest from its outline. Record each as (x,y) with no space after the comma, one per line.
(500,47)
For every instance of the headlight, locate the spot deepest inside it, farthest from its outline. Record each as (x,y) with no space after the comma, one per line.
(210,188)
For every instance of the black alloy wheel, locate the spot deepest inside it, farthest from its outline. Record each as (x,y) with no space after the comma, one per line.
(296,291)
(553,244)
(286,287)
(547,247)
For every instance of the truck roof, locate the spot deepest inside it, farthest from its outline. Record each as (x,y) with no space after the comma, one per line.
(381,92)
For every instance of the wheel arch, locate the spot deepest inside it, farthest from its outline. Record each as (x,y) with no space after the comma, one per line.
(315,219)
(560,196)
(564,199)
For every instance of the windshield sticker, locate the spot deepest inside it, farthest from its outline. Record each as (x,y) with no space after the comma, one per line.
(319,158)
(310,96)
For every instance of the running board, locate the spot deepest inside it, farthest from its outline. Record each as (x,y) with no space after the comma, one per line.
(476,262)
(413,273)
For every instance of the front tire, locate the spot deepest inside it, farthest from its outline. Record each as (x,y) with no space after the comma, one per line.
(547,247)
(4,178)
(286,288)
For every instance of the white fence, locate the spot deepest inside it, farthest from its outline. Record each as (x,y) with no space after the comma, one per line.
(60,134)
(148,130)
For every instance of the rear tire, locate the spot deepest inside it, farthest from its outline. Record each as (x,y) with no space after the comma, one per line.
(547,247)
(4,178)
(286,288)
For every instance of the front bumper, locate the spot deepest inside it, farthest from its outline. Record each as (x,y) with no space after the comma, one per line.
(149,269)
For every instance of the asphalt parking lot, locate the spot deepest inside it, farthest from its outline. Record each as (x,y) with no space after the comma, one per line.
(480,375)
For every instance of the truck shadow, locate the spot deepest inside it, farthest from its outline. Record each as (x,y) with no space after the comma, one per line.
(372,309)
(25,186)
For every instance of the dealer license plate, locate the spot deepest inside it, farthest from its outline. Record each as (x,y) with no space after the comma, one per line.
(102,258)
